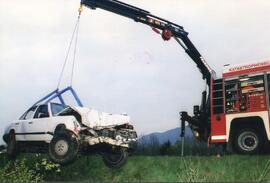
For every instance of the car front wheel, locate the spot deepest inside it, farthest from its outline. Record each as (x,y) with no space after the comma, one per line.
(116,158)
(63,148)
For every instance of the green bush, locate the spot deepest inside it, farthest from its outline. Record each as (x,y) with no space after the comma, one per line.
(46,167)
(17,171)
(27,168)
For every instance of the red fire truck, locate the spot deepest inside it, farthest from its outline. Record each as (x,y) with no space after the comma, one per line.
(236,113)
(240,107)
(235,108)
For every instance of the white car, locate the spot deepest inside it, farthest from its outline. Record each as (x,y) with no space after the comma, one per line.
(66,130)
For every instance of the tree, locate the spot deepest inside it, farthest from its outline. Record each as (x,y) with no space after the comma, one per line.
(165,148)
(154,145)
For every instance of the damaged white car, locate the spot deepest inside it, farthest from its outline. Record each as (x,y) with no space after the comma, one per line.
(65,131)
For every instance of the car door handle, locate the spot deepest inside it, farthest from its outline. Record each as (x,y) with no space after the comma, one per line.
(30,122)
(17,123)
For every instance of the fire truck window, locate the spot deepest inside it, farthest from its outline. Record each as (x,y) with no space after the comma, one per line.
(245,94)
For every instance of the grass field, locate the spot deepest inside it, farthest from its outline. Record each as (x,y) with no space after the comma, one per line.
(157,168)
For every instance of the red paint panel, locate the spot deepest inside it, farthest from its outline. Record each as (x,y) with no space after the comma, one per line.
(218,124)
(247,71)
(216,141)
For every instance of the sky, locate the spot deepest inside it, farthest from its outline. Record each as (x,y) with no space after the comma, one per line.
(123,66)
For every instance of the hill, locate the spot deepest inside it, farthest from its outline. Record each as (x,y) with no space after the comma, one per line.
(173,135)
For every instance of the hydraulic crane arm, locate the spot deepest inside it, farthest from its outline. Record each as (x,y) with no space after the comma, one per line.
(168,28)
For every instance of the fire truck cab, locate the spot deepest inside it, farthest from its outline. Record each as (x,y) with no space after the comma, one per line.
(240,107)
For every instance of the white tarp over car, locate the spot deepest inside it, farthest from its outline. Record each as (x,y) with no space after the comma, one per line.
(92,118)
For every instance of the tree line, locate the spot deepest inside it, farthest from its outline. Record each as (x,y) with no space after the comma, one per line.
(151,146)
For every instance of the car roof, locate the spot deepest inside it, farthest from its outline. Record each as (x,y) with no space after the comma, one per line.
(48,103)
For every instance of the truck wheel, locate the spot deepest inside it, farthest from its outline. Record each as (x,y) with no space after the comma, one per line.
(247,141)
(63,148)
(12,149)
(116,158)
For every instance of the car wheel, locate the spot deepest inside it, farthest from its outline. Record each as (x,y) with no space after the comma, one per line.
(116,158)
(63,148)
(12,149)
(247,141)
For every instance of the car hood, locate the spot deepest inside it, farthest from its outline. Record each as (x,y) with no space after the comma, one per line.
(93,118)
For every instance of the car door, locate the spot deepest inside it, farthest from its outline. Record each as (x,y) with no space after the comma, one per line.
(17,126)
(37,128)
(21,126)
(55,119)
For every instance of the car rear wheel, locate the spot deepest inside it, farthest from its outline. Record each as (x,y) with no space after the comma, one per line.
(63,148)
(248,141)
(12,149)
(116,158)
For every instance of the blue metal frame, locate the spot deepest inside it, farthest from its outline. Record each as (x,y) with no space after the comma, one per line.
(58,94)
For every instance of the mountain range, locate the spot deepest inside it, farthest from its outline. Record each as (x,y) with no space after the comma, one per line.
(172,135)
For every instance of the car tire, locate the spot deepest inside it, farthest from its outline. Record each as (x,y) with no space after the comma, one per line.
(63,148)
(12,147)
(116,158)
(248,141)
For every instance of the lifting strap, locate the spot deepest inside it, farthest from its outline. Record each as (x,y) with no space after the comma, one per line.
(74,36)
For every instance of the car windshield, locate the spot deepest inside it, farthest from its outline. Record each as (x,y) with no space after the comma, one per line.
(56,108)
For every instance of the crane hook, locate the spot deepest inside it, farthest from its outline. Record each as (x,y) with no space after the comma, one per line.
(80,9)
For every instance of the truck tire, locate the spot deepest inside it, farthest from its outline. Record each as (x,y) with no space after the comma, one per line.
(12,147)
(116,158)
(247,141)
(63,148)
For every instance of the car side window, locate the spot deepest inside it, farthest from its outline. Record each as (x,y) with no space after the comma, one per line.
(56,108)
(42,112)
(30,113)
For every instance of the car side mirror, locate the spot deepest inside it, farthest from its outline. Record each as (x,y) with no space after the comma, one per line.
(43,115)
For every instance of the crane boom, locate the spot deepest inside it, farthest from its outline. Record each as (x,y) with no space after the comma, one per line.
(168,28)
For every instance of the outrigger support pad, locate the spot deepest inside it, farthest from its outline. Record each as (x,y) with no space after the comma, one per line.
(58,94)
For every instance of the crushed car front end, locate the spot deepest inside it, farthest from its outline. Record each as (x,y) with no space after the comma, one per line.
(112,136)
(103,128)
